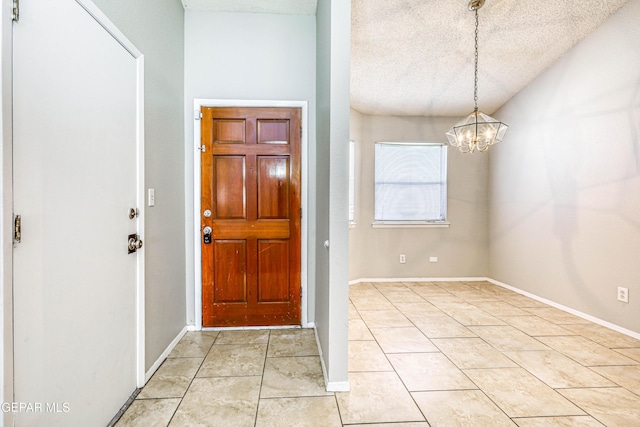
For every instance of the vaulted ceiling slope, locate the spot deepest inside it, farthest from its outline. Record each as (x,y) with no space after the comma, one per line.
(415,57)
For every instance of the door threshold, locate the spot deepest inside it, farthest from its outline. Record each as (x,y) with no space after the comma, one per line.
(245,328)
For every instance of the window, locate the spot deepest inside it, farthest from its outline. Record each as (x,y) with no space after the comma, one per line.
(410,183)
(352,183)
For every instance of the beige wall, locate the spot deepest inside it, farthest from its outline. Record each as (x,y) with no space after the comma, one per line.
(461,248)
(565,184)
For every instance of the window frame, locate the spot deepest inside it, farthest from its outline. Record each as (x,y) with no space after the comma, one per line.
(408,223)
(352,183)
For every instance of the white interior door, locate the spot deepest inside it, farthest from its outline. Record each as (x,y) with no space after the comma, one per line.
(75,172)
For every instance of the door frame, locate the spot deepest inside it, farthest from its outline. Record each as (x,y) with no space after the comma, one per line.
(304,200)
(7,178)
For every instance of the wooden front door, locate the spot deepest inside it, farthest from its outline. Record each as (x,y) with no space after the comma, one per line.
(251,204)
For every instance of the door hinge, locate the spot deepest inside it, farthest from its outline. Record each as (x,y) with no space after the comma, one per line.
(15,16)
(197,114)
(300,213)
(17,229)
(202,148)
(300,131)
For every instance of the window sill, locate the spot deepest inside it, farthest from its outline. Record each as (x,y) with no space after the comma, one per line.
(409,224)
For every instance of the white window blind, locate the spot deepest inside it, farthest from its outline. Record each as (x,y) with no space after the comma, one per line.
(410,182)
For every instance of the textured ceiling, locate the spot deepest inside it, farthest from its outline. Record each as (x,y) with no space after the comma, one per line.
(415,57)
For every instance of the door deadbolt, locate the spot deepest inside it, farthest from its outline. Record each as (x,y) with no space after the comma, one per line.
(207,234)
(207,213)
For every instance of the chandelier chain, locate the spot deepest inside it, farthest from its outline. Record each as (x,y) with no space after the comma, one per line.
(475,81)
(477,131)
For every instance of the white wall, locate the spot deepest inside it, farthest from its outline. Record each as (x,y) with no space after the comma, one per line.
(461,248)
(156,28)
(332,198)
(6,235)
(247,56)
(565,183)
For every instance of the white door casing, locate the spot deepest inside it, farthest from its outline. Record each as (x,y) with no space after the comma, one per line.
(198,103)
(78,168)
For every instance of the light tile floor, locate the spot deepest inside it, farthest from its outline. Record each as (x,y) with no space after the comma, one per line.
(420,354)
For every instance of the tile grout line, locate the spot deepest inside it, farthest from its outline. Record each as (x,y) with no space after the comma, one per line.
(264,365)
(192,379)
(387,358)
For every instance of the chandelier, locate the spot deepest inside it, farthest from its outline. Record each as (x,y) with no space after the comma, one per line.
(477,131)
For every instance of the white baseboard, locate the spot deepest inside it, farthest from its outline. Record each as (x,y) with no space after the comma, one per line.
(324,368)
(570,310)
(338,386)
(165,354)
(418,279)
(330,386)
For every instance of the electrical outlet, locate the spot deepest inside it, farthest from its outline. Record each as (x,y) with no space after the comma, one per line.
(623,294)
(403,259)
(433,259)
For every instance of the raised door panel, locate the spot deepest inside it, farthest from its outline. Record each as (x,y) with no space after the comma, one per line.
(273,131)
(273,271)
(229,195)
(273,187)
(230,271)
(228,131)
